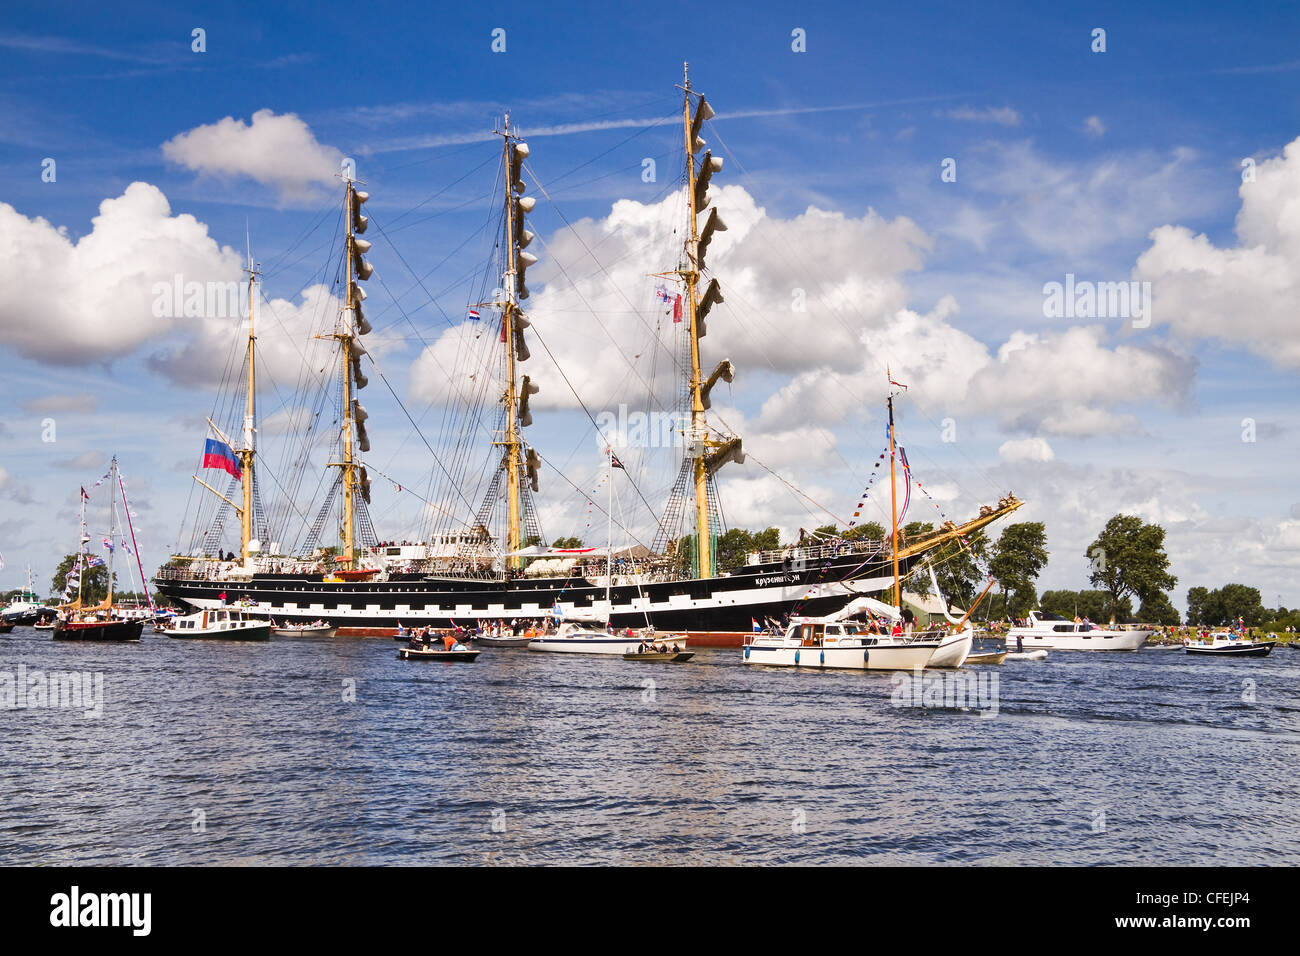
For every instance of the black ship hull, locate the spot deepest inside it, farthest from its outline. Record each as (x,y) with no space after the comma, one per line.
(717,610)
(102,631)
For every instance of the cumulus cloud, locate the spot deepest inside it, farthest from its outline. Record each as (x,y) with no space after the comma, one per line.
(1026,449)
(815,307)
(1242,295)
(74,302)
(279,151)
(1093,126)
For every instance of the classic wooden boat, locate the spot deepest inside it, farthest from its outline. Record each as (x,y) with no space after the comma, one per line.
(1225,644)
(507,641)
(435,654)
(993,657)
(669,657)
(93,627)
(305,630)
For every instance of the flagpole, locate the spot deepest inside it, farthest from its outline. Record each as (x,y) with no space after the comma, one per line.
(609,536)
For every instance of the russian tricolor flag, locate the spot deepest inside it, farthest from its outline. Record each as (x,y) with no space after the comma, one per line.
(217,454)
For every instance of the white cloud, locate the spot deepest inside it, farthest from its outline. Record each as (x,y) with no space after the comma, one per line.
(1246,294)
(1093,126)
(276,150)
(848,273)
(73,302)
(1026,449)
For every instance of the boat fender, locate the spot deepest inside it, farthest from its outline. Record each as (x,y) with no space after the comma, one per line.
(746,652)
(823,660)
(866,654)
(796,657)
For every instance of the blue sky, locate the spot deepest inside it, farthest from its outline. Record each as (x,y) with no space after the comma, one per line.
(1067,161)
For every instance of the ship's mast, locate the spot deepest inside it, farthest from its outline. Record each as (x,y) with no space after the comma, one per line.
(893,504)
(699,430)
(704,455)
(519,461)
(246,452)
(112,522)
(350,351)
(512,444)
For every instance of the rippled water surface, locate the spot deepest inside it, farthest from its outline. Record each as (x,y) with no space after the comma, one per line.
(229,753)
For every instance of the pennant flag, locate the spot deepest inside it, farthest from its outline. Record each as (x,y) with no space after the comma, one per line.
(84,496)
(217,454)
(613,460)
(677,309)
(907,483)
(94,561)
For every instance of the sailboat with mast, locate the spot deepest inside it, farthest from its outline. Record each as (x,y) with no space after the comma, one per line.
(98,622)
(486,562)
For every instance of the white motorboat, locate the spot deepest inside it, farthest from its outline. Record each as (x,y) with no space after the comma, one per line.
(225,624)
(575,637)
(1228,644)
(840,645)
(1038,655)
(1047,631)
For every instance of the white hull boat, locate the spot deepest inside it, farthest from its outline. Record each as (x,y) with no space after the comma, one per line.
(1053,632)
(954,649)
(575,638)
(1038,655)
(839,645)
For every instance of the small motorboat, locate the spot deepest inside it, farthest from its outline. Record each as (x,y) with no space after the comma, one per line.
(993,657)
(318,629)
(1038,655)
(5,627)
(505,641)
(1226,644)
(436,654)
(670,656)
(45,624)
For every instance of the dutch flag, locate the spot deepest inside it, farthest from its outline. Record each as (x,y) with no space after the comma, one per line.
(754,624)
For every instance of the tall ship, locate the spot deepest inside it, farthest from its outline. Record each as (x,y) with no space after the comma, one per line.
(481,555)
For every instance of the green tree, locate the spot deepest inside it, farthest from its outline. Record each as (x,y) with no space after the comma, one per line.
(1225,605)
(94,582)
(1094,605)
(1129,561)
(870,530)
(567,543)
(1018,559)
(1158,609)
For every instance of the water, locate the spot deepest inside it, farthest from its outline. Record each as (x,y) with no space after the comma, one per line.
(212,753)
